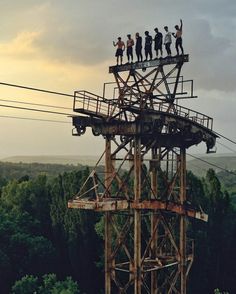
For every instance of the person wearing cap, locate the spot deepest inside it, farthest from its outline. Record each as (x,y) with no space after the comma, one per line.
(178,36)
(167,41)
(138,47)
(148,46)
(119,52)
(158,42)
(129,46)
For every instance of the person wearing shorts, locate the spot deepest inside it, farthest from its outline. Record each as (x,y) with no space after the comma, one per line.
(119,51)
(158,42)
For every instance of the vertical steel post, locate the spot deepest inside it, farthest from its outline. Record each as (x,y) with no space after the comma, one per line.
(183,261)
(137,217)
(108,261)
(154,219)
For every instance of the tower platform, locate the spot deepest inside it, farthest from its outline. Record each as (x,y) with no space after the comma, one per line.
(113,204)
(150,63)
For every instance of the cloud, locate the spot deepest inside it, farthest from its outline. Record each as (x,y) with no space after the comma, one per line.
(210,57)
(22,46)
(81,32)
(66,45)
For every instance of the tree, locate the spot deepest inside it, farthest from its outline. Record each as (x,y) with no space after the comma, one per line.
(28,284)
(76,240)
(50,284)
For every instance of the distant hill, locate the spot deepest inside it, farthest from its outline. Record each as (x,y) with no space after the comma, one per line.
(198,167)
(51,159)
(11,170)
(19,166)
(216,162)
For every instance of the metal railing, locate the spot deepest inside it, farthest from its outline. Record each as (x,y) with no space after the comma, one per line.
(86,102)
(91,104)
(187,113)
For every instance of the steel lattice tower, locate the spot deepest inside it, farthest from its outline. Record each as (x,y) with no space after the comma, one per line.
(147,207)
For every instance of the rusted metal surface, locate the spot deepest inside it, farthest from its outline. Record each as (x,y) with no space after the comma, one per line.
(146,245)
(147,64)
(113,204)
(182,132)
(110,205)
(183,225)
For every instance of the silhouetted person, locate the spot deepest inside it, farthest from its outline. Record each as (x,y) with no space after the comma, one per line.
(120,48)
(167,41)
(158,40)
(148,46)
(138,47)
(129,46)
(178,36)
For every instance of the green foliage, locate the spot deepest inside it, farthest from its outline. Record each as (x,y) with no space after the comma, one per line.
(214,241)
(28,284)
(77,241)
(217,291)
(19,171)
(39,234)
(50,284)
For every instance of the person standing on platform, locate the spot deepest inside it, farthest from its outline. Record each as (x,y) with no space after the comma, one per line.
(178,36)
(130,44)
(138,47)
(119,52)
(158,39)
(167,41)
(148,46)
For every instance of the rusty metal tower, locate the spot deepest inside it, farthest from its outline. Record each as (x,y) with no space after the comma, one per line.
(147,206)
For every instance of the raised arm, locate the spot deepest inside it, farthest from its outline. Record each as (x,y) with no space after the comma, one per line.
(181,25)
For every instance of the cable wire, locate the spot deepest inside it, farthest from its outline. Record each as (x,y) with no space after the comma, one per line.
(35,104)
(212,164)
(36,89)
(36,110)
(226,147)
(34,119)
(232,141)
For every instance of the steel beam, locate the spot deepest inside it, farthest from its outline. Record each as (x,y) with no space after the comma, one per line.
(150,63)
(137,217)
(183,261)
(154,219)
(108,229)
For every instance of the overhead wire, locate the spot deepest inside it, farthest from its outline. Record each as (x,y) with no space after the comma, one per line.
(232,141)
(35,104)
(34,119)
(36,89)
(212,164)
(36,110)
(226,147)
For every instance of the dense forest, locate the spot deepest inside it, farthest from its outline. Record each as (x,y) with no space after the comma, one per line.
(47,248)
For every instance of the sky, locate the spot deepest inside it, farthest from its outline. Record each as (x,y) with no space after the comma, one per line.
(65,46)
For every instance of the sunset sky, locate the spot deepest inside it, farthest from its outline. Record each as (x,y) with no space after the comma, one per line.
(67,45)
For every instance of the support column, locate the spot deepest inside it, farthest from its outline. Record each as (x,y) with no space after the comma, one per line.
(108,261)
(154,219)
(137,217)
(183,256)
